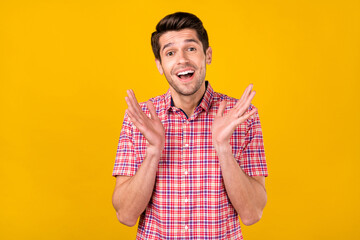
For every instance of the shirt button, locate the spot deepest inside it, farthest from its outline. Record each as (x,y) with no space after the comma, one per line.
(186,227)
(185,172)
(186,145)
(186,200)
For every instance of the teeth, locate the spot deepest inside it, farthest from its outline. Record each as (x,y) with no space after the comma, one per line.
(185,72)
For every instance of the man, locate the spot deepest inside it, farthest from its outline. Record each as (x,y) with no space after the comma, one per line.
(191,161)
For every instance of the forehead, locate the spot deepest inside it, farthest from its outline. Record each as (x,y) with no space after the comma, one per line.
(178,37)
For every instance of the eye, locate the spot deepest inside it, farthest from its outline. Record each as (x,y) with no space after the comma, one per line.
(169,53)
(191,49)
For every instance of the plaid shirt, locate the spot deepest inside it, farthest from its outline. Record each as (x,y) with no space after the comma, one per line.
(189,200)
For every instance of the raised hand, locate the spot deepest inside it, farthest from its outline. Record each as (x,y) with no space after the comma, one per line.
(151,128)
(224,125)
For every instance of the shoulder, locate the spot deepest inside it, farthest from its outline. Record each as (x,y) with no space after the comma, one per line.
(219,97)
(231,101)
(158,101)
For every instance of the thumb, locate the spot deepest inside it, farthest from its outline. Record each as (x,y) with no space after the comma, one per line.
(221,109)
(152,110)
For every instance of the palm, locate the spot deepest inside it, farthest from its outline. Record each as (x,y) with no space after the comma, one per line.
(224,125)
(151,128)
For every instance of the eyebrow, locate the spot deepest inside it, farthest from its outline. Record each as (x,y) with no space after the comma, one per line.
(186,40)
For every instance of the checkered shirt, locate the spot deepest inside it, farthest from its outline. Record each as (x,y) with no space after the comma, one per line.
(189,200)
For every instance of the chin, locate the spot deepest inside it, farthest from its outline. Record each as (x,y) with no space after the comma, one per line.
(188,91)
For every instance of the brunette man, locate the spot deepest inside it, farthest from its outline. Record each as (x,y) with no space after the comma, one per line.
(191,161)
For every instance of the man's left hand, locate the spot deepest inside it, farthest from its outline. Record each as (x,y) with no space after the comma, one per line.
(224,125)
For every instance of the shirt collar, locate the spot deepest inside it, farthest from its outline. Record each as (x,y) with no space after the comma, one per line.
(205,102)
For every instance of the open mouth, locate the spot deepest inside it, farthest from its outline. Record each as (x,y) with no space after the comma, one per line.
(185,74)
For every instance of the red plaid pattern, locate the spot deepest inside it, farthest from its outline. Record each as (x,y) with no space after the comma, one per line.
(189,199)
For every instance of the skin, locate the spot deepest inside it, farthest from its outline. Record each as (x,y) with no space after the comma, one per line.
(183,50)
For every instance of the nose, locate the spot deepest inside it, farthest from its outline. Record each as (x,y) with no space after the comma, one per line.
(183,58)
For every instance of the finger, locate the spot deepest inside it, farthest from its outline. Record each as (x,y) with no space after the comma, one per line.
(138,124)
(132,99)
(129,99)
(152,110)
(247,115)
(249,99)
(245,105)
(244,96)
(130,105)
(131,117)
(133,113)
(133,103)
(221,109)
(132,94)
(246,92)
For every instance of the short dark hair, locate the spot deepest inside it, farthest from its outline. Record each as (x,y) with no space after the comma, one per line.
(175,22)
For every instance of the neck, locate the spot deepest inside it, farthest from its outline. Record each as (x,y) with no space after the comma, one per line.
(188,103)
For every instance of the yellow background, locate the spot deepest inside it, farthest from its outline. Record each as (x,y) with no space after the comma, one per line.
(64,69)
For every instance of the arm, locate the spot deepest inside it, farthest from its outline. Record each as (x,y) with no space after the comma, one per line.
(132,194)
(247,194)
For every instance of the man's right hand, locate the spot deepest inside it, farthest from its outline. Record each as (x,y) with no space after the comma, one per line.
(151,128)
(133,193)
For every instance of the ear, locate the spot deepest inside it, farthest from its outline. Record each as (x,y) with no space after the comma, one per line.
(159,67)
(208,56)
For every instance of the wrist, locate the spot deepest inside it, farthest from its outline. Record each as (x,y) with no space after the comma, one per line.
(154,152)
(223,148)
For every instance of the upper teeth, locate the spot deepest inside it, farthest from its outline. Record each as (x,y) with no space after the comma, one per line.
(185,72)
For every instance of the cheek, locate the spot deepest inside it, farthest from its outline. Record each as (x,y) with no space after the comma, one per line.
(202,66)
(167,68)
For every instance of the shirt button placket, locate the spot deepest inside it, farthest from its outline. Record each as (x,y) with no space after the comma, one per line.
(185,172)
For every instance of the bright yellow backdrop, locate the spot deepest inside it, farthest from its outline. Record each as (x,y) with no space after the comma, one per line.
(64,69)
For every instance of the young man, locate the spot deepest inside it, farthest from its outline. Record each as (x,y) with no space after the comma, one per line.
(191,161)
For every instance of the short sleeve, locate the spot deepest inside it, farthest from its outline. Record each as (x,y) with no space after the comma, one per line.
(252,157)
(125,160)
